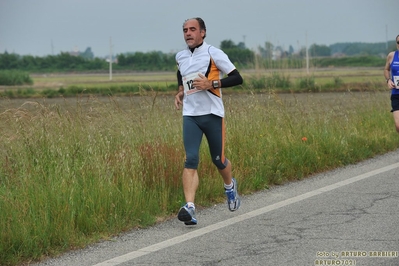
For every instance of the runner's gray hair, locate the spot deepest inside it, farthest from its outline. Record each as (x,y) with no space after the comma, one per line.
(200,22)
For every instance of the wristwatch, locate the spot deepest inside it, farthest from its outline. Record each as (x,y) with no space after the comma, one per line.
(387,80)
(215,84)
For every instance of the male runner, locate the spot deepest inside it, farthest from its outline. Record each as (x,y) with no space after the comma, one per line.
(201,68)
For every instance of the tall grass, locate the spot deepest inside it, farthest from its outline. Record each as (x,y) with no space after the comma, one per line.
(73,173)
(289,140)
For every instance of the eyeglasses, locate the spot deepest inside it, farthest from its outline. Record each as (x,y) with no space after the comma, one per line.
(397,42)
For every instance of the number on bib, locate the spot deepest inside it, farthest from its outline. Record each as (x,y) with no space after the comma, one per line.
(396,81)
(188,83)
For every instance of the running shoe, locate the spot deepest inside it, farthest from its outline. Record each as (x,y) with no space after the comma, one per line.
(187,215)
(233,199)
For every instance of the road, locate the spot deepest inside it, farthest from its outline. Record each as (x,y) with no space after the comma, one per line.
(348,216)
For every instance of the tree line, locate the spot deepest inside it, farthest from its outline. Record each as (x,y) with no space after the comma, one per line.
(267,56)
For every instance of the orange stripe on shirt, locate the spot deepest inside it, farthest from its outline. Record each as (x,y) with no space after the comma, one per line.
(214,74)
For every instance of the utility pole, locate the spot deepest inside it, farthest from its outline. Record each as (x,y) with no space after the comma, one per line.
(110,58)
(386,38)
(307,54)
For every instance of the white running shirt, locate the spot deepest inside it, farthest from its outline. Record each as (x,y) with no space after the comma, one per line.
(213,63)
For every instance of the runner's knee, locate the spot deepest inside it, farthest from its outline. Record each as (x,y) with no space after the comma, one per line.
(218,162)
(191,161)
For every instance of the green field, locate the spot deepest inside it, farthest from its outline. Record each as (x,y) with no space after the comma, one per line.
(138,83)
(321,75)
(56,80)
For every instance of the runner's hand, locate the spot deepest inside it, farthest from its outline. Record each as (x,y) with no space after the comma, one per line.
(391,85)
(202,83)
(179,99)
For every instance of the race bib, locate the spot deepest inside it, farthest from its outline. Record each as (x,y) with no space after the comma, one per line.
(188,83)
(396,81)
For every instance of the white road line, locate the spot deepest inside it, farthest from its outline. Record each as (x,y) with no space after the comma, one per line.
(202,231)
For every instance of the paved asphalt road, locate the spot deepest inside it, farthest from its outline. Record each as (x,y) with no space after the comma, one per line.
(348,216)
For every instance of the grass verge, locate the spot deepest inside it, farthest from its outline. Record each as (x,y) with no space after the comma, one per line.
(74,173)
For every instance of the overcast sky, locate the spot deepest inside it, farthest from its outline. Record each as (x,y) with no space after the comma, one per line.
(45,27)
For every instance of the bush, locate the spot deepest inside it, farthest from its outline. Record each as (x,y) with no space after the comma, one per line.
(308,83)
(14,77)
(275,80)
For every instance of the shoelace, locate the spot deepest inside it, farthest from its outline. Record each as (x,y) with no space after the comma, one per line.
(230,194)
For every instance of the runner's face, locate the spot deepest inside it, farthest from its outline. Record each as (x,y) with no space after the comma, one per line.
(192,33)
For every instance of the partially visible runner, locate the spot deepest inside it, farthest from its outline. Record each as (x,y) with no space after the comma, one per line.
(200,75)
(391,74)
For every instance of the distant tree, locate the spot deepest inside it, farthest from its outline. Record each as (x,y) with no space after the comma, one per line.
(391,46)
(238,54)
(9,61)
(65,61)
(227,44)
(358,48)
(279,52)
(122,60)
(267,50)
(302,52)
(319,50)
(154,60)
(87,54)
(29,62)
(290,50)
(241,45)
